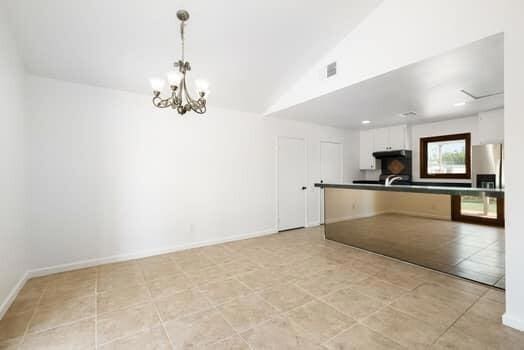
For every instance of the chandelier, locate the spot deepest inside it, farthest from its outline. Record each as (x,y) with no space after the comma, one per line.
(180,98)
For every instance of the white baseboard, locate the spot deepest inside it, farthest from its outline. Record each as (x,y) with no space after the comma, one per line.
(12,295)
(143,254)
(118,258)
(313,224)
(513,322)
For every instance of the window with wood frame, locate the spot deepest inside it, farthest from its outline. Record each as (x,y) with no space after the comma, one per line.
(481,209)
(446,157)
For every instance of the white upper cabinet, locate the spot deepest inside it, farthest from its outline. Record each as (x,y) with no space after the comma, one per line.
(391,138)
(398,138)
(367,161)
(381,139)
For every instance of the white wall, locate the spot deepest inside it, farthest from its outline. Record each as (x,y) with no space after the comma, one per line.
(486,127)
(514,142)
(454,126)
(351,155)
(112,175)
(491,126)
(12,161)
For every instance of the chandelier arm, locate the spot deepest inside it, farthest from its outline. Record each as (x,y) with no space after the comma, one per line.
(189,98)
(196,105)
(161,103)
(174,94)
(201,108)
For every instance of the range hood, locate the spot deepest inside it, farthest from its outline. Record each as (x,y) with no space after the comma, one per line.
(401,153)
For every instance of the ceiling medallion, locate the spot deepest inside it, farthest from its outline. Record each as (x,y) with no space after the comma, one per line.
(180,98)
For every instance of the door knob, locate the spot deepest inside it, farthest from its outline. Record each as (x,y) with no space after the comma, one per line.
(304,187)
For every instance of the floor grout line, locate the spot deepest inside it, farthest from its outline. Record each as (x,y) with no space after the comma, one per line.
(65,324)
(461,315)
(215,307)
(324,343)
(257,293)
(26,331)
(162,323)
(150,301)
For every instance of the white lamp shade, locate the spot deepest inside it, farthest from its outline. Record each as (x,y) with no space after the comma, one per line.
(174,78)
(157,84)
(202,86)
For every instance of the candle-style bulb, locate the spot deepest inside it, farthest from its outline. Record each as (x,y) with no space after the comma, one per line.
(157,84)
(202,87)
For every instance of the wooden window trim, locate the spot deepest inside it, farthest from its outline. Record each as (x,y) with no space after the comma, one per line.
(456,214)
(423,156)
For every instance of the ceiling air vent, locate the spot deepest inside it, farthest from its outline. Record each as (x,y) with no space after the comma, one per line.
(479,97)
(331,69)
(408,114)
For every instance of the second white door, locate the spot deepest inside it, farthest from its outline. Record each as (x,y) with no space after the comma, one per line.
(291,183)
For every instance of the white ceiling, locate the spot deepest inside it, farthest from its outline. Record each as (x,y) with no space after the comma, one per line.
(249,50)
(430,88)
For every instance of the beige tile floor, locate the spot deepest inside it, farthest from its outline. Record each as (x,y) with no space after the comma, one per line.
(292,290)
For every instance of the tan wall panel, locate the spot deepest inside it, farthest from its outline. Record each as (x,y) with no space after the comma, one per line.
(346,204)
(436,206)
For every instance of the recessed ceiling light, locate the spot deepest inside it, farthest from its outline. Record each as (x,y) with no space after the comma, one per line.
(458,104)
(366,121)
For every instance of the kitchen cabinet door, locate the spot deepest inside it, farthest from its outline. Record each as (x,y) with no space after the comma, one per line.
(380,139)
(397,137)
(367,161)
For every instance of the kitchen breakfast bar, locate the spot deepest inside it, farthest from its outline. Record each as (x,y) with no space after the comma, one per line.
(456,230)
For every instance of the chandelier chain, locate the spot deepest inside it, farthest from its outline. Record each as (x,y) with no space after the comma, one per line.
(182,37)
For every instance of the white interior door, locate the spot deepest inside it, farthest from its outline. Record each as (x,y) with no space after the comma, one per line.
(291,183)
(330,167)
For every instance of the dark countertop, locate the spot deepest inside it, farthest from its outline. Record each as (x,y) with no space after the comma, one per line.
(463,191)
(415,183)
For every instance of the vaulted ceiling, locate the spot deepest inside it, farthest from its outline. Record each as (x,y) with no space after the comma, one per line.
(249,50)
(431,88)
